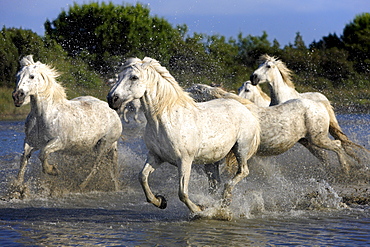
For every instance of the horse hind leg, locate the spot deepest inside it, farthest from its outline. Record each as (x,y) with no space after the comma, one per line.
(335,146)
(319,153)
(52,146)
(213,174)
(241,173)
(184,177)
(100,149)
(114,165)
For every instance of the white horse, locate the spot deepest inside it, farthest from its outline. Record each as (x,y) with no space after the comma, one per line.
(55,123)
(254,94)
(180,131)
(278,77)
(282,126)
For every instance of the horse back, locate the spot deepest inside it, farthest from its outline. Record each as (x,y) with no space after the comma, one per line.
(316,96)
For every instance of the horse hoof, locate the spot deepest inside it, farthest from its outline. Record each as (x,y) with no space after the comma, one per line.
(53,172)
(163,201)
(225,203)
(17,192)
(223,214)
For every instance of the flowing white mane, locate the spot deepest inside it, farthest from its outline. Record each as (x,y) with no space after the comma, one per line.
(168,92)
(50,89)
(284,71)
(262,93)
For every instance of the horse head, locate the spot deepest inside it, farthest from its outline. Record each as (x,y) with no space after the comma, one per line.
(271,70)
(35,78)
(130,85)
(265,71)
(27,79)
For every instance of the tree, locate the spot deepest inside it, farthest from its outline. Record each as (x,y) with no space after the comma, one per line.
(356,38)
(9,56)
(299,43)
(106,33)
(252,47)
(327,42)
(17,43)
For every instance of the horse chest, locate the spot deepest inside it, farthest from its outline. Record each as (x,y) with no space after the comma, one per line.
(169,142)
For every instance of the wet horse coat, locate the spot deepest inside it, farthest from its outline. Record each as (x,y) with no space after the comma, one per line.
(57,124)
(180,131)
(278,76)
(284,125)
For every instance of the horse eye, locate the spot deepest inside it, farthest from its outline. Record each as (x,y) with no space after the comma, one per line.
(268,66)
(134,77)
(32,77)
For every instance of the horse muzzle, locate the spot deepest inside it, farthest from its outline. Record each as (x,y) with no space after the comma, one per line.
(114,101)
(18,97)
(254,79)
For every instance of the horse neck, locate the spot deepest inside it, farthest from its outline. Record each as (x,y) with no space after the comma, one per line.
(38,106)
(148,108)
(162,98)
(280,91)
(256,96)
(42,105)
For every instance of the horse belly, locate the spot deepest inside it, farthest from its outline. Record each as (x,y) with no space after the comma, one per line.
(85,123)
(221,127)
(278,136)
(213,151)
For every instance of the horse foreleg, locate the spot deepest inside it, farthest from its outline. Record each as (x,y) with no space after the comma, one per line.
(24,161)
(158,201)
(125,111)
(17,189)
(52,146)
(213,174)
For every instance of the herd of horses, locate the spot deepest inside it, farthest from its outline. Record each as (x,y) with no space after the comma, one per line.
(202,125)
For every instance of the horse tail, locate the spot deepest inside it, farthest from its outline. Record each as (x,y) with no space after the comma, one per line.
(337,133)
(231,163)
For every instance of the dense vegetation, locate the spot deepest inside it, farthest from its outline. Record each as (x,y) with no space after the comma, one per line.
(88,42)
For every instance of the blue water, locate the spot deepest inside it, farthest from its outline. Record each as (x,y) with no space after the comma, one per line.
(282,202)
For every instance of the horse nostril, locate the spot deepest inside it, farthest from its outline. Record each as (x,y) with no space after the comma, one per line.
(253,79)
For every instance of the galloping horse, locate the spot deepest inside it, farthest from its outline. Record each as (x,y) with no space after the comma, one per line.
(55,123)
(278,77)
(284,125)
(180,131)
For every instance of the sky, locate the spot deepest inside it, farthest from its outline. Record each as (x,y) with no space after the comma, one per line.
(281,19)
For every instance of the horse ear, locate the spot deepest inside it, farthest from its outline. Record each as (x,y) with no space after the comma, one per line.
(26,61)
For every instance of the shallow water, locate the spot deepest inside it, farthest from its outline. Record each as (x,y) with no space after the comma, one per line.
(286,200)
